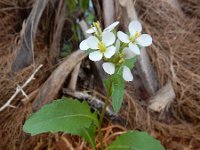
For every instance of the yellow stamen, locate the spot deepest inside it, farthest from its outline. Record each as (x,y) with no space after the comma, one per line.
(102,47)
(121,55)
(133,38)
(137,34)
(121,59)
(97,25)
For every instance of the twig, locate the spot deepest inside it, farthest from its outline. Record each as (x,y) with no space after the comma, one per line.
(163,98)
(50,89)
(30,96)
(84,27)
(147,73)
(108,12)
(97,105)
(126,7)
(74,77)
(20,89)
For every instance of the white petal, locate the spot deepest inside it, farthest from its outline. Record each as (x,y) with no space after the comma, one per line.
(117,45)
(110,51)
(123,37)
(109,68)
(144,40)
(128,53)
(91,30)
(83,45)
(95,56)
(134,48)
(111,27)
(127,75)
(92,42)
(108,38)
(134,27)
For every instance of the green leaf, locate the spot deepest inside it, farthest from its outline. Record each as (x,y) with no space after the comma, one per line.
(108,85)
(89,51)
(135,140)
(66,115)
(84,4)
(117,91)
(131,62)
(118,86)
(88,134)
(71,5)
(90,17)
(119,71)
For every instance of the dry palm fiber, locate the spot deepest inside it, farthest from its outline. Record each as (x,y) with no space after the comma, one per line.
(43,46)
(175,54)
(12,19)
(190,7)
(12,16)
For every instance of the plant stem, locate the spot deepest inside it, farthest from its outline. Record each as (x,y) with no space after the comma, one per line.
(100,134)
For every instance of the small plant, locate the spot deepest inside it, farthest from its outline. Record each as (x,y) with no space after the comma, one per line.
(119,52)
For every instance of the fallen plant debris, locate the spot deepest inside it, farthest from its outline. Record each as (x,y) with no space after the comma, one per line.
(20,89)
(174,55)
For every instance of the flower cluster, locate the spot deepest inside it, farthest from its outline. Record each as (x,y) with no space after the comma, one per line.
(115,49)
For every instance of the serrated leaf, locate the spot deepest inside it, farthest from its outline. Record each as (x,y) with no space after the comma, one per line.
(135,140)
(65,115)
(88,134)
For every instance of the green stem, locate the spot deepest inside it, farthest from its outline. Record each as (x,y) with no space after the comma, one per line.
(100,134)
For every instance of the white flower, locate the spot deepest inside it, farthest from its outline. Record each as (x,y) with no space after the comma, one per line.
(91,30)
(110,67)
(135,37)
(127,75)
(83,45)
(103,48)
(111,27)
(107,29)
